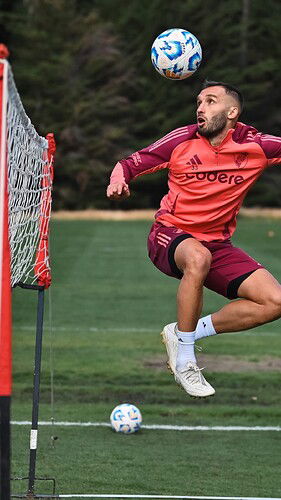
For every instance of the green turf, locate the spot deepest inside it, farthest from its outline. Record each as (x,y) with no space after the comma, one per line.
(108,305)
(165,462)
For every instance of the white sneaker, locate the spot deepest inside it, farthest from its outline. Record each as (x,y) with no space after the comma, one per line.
(193,382)
(190,378)
(170,339)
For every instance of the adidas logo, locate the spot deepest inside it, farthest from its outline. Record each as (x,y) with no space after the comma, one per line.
(195,160)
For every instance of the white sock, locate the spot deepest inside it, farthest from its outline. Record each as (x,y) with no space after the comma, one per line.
(185,348)
(204,328)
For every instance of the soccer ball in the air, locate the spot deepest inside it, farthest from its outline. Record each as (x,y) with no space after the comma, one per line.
(126,418)
(176,54)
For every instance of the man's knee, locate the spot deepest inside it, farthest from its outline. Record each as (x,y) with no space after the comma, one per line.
(198,262)
(272,306)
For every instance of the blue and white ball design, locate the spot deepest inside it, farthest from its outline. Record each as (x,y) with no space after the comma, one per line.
(176,54)
(126,418)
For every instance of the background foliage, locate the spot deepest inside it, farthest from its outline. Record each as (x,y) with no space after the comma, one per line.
(83,71)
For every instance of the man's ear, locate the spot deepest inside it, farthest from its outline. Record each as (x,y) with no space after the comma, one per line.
(233,113)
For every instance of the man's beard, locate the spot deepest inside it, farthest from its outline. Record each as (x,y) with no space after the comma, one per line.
(215,126)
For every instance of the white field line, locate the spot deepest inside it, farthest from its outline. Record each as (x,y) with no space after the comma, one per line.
(158,426)
(129,330)
(160,496)
(90,329)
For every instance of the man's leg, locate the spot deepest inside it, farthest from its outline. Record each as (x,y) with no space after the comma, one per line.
(260,303)
(194,261)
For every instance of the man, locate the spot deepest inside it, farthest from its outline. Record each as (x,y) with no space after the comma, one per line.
(212,165)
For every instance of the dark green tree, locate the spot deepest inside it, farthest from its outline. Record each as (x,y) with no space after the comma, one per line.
(240,46)
(73,81)
(83,70)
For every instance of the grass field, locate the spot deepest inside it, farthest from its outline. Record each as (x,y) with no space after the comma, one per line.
(103,316)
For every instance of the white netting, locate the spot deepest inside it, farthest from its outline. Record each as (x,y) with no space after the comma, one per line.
(29,185)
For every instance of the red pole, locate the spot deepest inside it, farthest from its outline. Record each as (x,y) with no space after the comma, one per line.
(5,305)
(42,267)
(5,290)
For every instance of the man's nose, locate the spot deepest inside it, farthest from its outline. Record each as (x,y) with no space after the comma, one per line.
(200,107)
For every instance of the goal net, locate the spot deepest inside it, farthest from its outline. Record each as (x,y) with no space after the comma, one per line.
(30,174)
(26,177)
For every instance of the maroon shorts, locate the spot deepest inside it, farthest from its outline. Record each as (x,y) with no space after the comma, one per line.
(229,268)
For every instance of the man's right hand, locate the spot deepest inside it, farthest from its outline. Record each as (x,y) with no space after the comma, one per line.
(118,191)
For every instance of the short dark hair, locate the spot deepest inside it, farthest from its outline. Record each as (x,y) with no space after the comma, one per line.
(229,89)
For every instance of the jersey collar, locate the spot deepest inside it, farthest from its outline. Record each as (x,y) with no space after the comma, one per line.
(226,138)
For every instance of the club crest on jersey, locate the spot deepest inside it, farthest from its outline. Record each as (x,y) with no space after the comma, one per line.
(241,159)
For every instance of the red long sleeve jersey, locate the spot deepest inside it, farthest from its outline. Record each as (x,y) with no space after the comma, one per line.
(207,184)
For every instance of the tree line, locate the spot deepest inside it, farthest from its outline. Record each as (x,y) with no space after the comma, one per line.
(83,70)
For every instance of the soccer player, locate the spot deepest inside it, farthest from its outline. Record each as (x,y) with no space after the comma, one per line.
(212,165)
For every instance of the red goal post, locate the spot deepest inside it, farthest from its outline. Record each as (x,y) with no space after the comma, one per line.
(5,286)
(26,179)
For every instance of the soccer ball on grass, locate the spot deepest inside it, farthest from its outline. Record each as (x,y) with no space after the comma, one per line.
(176,54)
(126,418)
